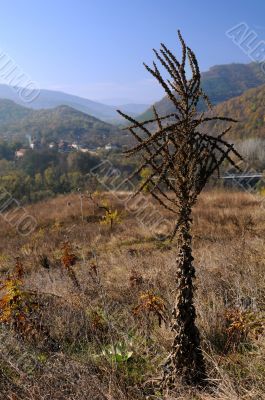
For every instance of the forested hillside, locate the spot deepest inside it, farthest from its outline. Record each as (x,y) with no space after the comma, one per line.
(220,83)
(11,112)
(249,110)
(66,123)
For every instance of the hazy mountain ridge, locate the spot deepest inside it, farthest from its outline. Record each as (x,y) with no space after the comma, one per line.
(226,85)
(48,99)
(133,108)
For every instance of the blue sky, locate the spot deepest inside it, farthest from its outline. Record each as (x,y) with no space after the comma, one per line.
(96,48)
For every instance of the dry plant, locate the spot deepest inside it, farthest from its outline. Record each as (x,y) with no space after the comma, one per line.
(113,275)
(241,325)
(181,158)
(68,260)
(150,303)
(12,304)
(18,306)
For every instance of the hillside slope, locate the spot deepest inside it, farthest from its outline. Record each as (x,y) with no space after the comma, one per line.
(220,83)
(249,110)
(62,122)
(11,112)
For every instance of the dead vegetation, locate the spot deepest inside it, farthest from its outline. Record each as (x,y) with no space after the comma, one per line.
(107,337)
(181,159)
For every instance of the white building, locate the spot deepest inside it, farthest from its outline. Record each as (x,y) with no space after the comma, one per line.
(20,153)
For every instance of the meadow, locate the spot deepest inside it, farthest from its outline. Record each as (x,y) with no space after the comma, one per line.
(85,308)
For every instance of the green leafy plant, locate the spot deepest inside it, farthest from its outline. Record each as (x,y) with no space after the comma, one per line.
(119,352)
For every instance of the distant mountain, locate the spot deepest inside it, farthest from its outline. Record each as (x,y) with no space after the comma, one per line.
(132,108)
(63,122)
(51,99)
(220,83)
(249,110)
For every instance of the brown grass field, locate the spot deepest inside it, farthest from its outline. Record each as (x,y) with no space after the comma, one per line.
(99,329)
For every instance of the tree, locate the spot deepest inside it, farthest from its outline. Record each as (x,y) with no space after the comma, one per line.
(81,162)
(181,159)
(38,181)
(51,178)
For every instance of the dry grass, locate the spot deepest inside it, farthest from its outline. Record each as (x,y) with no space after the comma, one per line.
(113,269)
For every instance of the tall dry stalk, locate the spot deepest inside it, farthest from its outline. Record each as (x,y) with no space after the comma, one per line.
(181,158)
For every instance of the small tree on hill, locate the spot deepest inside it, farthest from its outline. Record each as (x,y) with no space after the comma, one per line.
(181,159)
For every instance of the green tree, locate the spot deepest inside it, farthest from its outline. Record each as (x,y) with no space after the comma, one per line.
(38,181)
(51,178)
(81,162)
